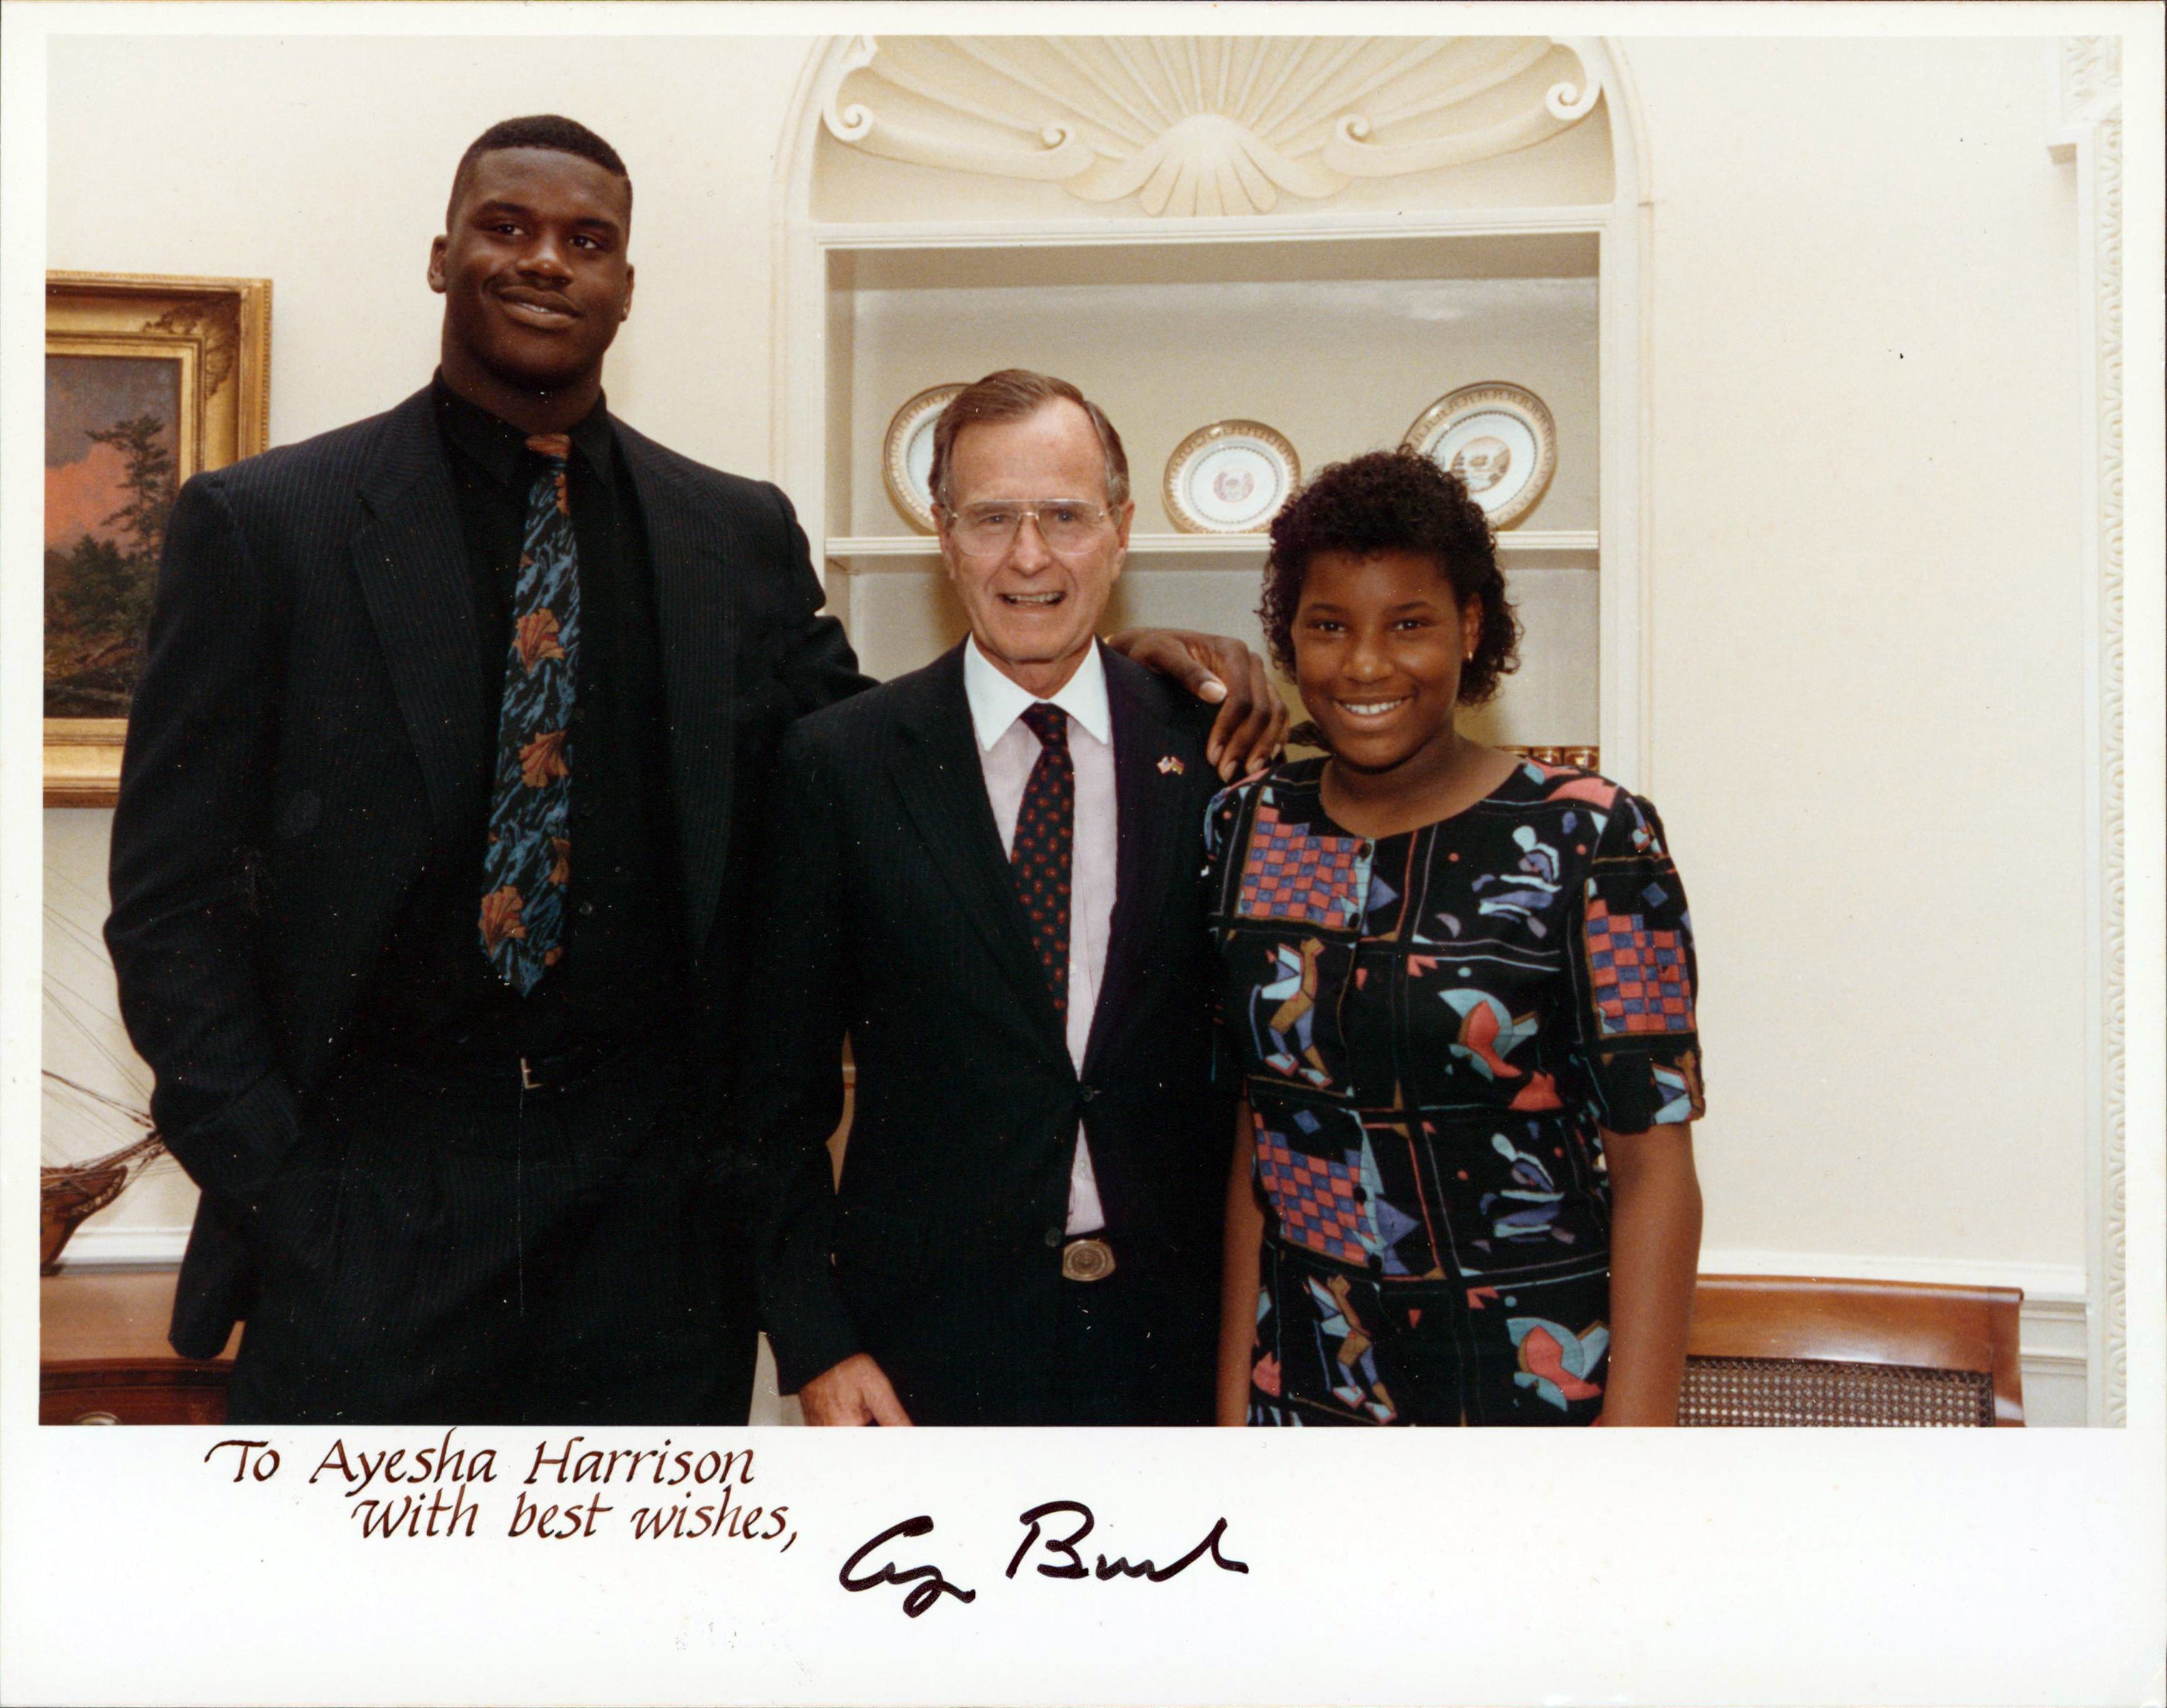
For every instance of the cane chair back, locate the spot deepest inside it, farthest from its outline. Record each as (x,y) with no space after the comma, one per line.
(1795,1351)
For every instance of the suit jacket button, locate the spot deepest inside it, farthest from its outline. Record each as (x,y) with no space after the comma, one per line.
(1087,1092)
(1053,1236)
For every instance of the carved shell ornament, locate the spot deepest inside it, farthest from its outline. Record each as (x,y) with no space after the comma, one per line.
(1205,124)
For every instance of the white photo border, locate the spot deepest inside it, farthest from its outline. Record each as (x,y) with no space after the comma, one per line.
(1636,1567)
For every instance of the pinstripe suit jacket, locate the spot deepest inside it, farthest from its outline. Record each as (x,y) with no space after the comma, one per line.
(306,719)
(888,907)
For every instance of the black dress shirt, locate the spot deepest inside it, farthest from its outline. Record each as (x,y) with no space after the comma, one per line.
(435,999)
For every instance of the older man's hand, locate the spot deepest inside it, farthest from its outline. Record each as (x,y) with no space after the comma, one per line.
(1252,725)
(856,1391)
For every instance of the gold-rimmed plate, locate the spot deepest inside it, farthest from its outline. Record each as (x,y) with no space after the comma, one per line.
(907,455)
(1230,477)
(1497,438)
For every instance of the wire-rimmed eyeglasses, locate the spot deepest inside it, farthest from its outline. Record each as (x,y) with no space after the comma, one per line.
(1067,524)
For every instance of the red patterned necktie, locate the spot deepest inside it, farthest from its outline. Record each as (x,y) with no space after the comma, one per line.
(1044,837)
(527,863)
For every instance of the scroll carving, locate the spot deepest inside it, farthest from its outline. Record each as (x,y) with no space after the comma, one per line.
(216,329)
(1204,126)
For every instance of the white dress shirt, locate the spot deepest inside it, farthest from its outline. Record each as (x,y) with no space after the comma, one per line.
(1007,751)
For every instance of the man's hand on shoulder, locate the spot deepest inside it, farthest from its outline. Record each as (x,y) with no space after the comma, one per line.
(1252,725)
(853,1392)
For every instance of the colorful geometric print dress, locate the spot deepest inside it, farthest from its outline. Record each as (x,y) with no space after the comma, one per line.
(1429,1027)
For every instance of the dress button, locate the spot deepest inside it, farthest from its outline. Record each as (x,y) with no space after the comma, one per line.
(1053,1236)
(586,910)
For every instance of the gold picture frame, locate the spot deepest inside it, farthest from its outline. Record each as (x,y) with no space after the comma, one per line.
(149,380)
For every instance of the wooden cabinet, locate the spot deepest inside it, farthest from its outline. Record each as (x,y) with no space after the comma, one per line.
(103,1356)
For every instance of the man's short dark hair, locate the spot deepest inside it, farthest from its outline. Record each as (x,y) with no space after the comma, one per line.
(1013,395)
(539,130)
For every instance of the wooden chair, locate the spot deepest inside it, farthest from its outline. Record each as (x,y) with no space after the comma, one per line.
(1776,1349)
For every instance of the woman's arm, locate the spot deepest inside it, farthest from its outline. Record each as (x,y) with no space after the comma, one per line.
(1655,1255)
(1238,1309)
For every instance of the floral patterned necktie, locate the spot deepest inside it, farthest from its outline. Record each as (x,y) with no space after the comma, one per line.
(527,865)
(1044,837)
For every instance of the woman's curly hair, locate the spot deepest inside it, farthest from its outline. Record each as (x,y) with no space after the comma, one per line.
(1393,501)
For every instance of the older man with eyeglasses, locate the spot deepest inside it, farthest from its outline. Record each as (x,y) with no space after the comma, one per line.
(986,873)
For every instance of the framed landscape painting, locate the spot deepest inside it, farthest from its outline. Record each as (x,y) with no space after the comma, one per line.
(148,380)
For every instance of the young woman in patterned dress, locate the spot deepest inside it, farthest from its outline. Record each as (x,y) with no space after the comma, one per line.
(1459,993)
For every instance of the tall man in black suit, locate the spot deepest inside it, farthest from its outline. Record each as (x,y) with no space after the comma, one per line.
(429,856)
(988,873)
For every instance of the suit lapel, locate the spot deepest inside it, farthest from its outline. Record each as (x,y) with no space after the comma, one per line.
(937,770)
(411,558)
(695,544)
(1153,835)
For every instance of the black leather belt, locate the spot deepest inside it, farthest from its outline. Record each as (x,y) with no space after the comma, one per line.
(563,1069)
(490,1077)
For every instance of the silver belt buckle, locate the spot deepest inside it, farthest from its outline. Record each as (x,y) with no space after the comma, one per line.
(527,1083)
(1086,1259)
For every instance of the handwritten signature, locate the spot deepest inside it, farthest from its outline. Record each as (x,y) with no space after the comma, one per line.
(929,1585)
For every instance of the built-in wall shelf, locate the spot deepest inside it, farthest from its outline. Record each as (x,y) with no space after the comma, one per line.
(1446,212)
(917,553)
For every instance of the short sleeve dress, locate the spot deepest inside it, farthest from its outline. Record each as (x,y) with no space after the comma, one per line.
(1428,1029)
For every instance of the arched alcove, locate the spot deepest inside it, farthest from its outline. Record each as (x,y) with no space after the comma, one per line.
(1324,235)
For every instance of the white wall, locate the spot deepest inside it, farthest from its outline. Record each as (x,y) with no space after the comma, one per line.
(1867,640)
(323,165)
(1868,636)
(1868,666)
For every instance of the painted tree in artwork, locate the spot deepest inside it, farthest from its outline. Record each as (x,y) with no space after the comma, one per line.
(98,592)
(148,482)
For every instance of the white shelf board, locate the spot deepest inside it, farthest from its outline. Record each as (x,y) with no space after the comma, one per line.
(915,554)
(1303,224)
(965,257)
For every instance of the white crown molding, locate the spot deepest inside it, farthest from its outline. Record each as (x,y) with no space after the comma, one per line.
(1207,125)
(2088,75)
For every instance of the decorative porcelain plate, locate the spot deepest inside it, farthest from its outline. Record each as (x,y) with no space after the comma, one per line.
(907,457)
(1498,438)
(1230,477)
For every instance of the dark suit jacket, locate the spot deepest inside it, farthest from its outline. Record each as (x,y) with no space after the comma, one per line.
(886,907)
(307,716)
